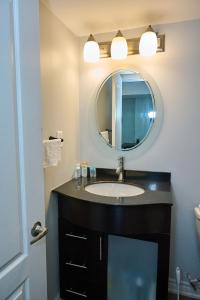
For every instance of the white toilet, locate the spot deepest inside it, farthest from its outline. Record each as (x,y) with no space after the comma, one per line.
(197,216)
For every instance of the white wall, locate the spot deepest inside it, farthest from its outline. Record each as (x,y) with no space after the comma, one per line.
(59,72)
(104,107)
(177,147)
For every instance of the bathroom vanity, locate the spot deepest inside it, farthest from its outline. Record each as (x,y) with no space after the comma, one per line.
(87,221)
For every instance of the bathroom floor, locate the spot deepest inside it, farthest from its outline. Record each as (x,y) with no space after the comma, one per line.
(174,297)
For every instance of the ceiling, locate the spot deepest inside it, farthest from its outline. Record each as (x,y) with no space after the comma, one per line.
(83,17)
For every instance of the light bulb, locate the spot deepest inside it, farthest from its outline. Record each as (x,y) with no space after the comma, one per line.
(152,114)
(91,51)
(119,47)
(148,43)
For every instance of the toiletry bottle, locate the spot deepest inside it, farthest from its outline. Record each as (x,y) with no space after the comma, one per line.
(92,172)
(84,166)
(77,173)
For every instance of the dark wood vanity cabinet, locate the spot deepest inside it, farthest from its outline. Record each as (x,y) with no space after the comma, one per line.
(83,262)
(87,221)
(83,252)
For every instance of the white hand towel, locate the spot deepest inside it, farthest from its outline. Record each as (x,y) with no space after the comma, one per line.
(51,152)
(105,135)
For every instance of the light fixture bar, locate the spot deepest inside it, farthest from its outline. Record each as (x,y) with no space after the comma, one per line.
(133,46)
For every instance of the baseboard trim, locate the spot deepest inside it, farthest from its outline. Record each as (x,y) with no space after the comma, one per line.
(185,289)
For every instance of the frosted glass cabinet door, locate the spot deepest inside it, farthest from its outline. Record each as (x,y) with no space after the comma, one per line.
(132,269)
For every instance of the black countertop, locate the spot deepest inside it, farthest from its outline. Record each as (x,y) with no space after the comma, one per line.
(156,184)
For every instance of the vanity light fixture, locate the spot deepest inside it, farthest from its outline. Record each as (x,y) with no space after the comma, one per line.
(91,51)
(119,47)
(148,42)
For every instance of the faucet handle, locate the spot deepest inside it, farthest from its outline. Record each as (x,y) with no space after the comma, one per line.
(118,170)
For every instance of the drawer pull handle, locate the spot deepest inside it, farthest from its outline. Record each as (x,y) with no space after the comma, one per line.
(75,265)
(81,237)
(100,248)
(75,293)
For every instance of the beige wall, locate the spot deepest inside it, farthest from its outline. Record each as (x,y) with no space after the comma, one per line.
(176,148)
(59,72)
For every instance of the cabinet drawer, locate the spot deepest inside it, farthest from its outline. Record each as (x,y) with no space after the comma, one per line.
(79,246)
(73,231)
(82,257)
(76,270)
(82,289)
(73,240)
(86,262)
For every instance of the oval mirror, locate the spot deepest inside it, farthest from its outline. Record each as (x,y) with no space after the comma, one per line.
(125,110)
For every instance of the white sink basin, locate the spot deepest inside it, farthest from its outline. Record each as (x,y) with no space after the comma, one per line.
(112,189)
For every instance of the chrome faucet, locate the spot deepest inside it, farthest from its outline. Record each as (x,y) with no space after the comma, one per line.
(120,169)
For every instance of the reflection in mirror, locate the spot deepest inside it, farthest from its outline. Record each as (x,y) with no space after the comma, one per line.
(125,110)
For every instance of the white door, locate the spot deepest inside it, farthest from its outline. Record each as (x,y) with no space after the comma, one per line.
(22,265)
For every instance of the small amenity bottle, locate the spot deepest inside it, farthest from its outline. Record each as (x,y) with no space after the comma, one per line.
(92,172)
(77,172)
(84,166)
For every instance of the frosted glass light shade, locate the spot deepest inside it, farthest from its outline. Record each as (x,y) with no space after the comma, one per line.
(148,43)
(91,51)
(119,47)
